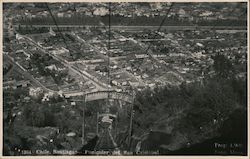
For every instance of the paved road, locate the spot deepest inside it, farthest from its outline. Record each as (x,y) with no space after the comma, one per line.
(194,27)
(106,58)
(98,85)
(27,75)
(162,39)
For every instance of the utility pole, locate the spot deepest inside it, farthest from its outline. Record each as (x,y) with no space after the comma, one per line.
(83,116)
(109,36)
(97,123)
(83,121)
(131,120)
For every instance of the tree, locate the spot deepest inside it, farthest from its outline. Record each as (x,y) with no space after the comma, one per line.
(38,115)
(223,66)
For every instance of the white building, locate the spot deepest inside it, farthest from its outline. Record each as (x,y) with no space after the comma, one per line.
(35,92)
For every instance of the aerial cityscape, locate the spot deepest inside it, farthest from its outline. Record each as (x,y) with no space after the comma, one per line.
(125,78)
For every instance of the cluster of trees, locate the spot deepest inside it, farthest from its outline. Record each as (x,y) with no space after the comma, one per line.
(10,100)
(34,113)
(70,37)
(221,22)
(7,69)
(58,113)
(20,131)
(42,61)
(32,30)
(38,115)
(143,20)
(58,38)
(74,19)
(147,34)
(78,19)
(202,103)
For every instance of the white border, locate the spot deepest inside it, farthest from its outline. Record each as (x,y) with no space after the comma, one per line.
(120,157)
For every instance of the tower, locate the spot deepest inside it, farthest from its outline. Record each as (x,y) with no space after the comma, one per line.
(106,141)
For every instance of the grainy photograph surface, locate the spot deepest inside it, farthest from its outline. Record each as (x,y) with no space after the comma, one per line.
(145,78)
